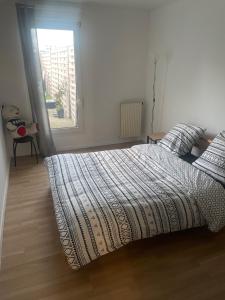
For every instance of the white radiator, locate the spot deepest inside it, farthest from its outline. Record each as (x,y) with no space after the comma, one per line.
(131,114)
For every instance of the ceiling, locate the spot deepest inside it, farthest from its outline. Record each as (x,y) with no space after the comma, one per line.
(146,4)
(149,4)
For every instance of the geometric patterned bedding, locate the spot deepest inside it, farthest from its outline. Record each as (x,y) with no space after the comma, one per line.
(107,199)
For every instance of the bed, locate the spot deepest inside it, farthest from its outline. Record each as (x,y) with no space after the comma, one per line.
(105,200)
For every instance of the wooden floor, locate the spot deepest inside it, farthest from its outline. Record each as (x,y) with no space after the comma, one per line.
(188,265)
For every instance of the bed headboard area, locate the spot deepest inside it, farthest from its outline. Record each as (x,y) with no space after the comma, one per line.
(201,146)
(204,143)
(197,150)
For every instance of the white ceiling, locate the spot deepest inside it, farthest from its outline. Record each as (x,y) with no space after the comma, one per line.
(149,4)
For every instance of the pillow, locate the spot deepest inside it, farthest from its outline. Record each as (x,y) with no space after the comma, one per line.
(212,161)
(180,139)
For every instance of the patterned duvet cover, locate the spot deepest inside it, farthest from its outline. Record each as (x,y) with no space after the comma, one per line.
(104,200)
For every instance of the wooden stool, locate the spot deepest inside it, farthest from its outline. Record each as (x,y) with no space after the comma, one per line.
(26,139)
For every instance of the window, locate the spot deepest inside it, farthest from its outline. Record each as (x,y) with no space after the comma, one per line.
(58,59)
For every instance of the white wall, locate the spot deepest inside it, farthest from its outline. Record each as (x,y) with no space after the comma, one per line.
(4,176)
(12,77)
(4,155)
(188,38)
(113,54)
(113,58)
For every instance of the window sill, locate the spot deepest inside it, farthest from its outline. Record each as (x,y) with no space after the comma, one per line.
(65,130)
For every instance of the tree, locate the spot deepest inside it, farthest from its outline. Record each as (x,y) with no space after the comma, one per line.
(59,103)
(59,97)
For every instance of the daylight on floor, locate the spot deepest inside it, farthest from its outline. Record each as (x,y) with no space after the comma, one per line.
(56,49)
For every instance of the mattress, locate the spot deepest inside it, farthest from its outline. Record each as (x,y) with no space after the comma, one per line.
(105,200)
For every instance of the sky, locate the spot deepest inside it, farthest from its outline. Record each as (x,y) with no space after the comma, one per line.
(52,37)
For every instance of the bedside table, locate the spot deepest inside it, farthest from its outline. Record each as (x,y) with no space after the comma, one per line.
(155,137)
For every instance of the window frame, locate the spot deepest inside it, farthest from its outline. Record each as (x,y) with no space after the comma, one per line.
(77,63)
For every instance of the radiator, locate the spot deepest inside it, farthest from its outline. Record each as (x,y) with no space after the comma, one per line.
(131,123)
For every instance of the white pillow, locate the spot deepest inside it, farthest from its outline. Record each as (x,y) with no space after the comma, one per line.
(212,161)
(180,139)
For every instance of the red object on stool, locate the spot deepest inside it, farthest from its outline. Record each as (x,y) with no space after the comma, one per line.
(21,131)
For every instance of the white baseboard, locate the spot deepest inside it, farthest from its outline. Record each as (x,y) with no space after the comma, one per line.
(2,212)
(95,144)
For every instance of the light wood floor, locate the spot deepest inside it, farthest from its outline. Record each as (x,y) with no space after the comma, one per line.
(188,265)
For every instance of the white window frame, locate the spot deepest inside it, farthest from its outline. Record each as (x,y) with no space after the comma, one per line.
(77,60)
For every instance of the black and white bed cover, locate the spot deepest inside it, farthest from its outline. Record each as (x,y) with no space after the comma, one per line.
(107,199)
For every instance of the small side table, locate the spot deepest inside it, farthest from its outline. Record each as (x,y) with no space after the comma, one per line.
(155,137)
(26,139)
